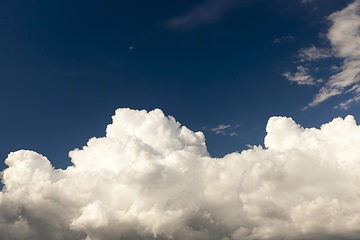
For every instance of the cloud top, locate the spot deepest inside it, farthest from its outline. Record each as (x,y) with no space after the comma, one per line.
(150,177)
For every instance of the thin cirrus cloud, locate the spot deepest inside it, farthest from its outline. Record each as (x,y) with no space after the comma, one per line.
(284,39)
(151,178)
(208,12)
(205,13)
(344,39)
(225,129)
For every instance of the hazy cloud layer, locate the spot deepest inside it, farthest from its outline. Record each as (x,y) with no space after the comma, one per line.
(149,178)
(209,12)
(344,38)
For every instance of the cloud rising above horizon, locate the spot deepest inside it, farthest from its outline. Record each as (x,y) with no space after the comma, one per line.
(151,178)
(344,44)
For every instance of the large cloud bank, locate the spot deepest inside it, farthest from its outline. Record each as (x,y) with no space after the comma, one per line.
(152,178)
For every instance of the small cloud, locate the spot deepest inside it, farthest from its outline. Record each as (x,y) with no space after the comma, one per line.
(224,129)
(306,1)
(301,77)
(220,129)
(284,39)
(276,40)
(313,53)
(132,48)
(206,13)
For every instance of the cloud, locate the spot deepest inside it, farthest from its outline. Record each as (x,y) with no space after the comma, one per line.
(344,39)
(312,53)
(285,39)
(220,128)
(306,1)
(301,77)
(151,178)
(224,129)
(205,13)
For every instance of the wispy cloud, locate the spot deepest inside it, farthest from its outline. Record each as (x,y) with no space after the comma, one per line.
(224,129)
(220,129)
(344,39)
(284,39)
(313,53)
(205,13)
(301,77)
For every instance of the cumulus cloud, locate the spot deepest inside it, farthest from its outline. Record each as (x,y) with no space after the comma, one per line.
(205,13)
(151,178)
(344,39)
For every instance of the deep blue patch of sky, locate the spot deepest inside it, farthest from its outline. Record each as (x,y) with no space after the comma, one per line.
(66,66)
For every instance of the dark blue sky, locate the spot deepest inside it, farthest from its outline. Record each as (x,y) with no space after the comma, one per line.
(66,66)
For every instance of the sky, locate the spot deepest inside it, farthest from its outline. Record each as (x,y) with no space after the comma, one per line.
(212,119)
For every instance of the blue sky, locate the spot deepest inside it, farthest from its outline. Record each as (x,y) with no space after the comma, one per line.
(263,146)
(66,66)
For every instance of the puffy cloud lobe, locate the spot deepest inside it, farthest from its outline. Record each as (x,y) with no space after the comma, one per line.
(150,177)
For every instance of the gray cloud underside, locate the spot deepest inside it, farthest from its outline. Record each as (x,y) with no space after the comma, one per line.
(151,178)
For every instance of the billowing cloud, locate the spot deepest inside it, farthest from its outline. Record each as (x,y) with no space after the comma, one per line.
(208,12)
(344,38)
(151,178)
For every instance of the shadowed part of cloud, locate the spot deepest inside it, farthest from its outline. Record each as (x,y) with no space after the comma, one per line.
(151,178)
(208,12)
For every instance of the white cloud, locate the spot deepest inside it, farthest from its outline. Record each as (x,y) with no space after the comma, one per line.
(149,177)
(344,38)
(301,77)
(312,53)
(208,12)
(220,129)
